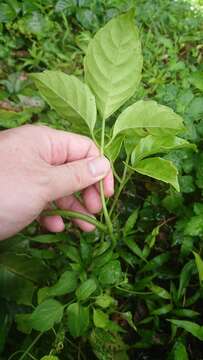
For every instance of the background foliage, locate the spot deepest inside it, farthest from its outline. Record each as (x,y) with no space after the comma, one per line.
(131,320)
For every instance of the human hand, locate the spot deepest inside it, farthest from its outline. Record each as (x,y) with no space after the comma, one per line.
(39,165)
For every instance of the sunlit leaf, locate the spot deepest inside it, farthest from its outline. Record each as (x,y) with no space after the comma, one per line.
(154,118)
(152,144)
(113,63)
(71,98)
(100,319)
(159,169)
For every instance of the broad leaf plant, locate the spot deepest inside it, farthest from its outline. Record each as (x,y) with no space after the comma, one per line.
(142,132)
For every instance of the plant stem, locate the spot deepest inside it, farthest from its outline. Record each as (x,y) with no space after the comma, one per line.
(76,215)
(105,211)
(124,180)
(31,346)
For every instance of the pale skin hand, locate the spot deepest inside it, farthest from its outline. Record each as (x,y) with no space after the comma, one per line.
(38,166)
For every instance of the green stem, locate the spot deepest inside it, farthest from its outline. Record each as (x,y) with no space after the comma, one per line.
(31,346)
(105,211)
(75,215)
(124,180)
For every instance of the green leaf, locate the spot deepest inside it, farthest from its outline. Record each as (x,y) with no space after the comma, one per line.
(100,319)
(78,319)
(86,289)
(151,145)
(191,327)
(199,264)
(159,169)
(185,276)
(128,317)
(194,226)
(113,148)
(65,285)
(71,98)
(49,357)
(130,223)
(104,301)
(49,238)
(159,291)
(110,273)
(23,323)
(131,244)
(15,288)
(46,315)
(150,117)
(156,262)
(197,79)
(162,310)
(179,351)
(10,119)
(113,63)
(151,238)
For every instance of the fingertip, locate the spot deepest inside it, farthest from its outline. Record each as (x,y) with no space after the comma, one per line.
(52,223)
(109,185)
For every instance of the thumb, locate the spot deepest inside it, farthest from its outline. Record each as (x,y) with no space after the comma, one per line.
(75,176)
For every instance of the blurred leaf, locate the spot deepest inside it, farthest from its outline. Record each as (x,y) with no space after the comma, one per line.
(159,291)
(10,119)
(113,63)
(110,273)
(86,289)
(104,301)
(78,319)
(194,227)
(189,326)
(23,323)
(162,310)
(46,315)
(15,288)
(66,284)
(197,79)
(185,276)
(199,264)
(131,244)
(130,223)
(100,319)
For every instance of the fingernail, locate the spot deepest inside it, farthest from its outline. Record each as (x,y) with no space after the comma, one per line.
(99,166)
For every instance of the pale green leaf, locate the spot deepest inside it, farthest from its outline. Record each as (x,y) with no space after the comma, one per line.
(149,116)
(110,273)
(151,145)
(78,319)
(105,301)
(100,319)
(113,63)
(66,94)
(199,264)
(159,169)
(46,315)
(113,148)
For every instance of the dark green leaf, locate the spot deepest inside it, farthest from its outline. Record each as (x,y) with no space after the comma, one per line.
(78,319)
